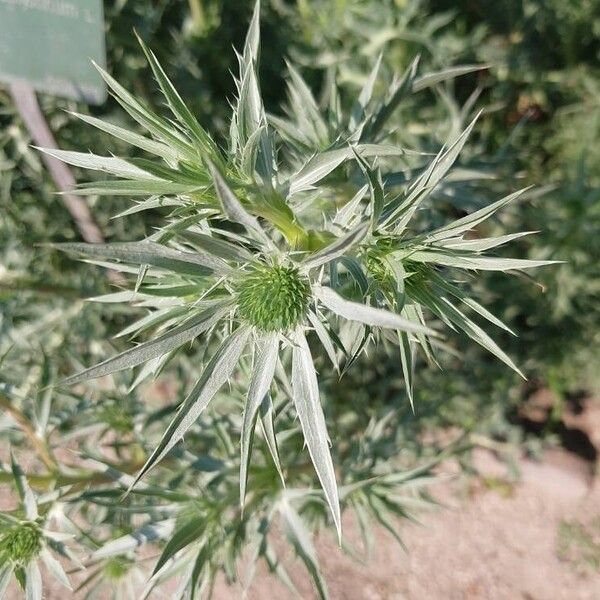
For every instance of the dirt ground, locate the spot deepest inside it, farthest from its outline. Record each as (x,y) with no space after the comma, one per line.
(493,541)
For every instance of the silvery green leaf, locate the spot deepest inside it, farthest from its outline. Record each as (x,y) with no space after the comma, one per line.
(25,492)
(107,164)
(218,247)
(468,222)
(339,247)
(157,347)
(444,309)
(250,111)
(373,176)
(306,108)
(135,139)
(431,79)
(33,581)
(404,209)
(187,533)
(482,244)
(455,291)
(215,374)
(156,126)
(147,370)
(358,113)
(118,297)
(299,536)
(252,43)
(479,335)
(408,367)
(55,568)
(152,319)
(380,513)
(315,169)
(233,208)
(125,544)
(149,204)
(150,253)
(308,406)
(398,90)
(139,187)
(6,571)
(369,315)
(323,163)
(178,106)
(355,269)
(486,314)
(350,209)
(476,262)
(324,339)
(263,370)
(267,416)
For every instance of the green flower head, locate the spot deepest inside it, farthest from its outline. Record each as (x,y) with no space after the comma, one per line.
(273,298)
(21,543)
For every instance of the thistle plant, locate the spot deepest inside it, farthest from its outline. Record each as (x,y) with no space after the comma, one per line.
(305,228)
(26,541)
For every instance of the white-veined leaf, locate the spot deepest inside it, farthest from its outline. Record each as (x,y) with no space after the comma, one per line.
(233,208)
(358,112)
(373,176)
(299,536)
(339,247)
(125,544)
(477,263)
(152,254)
(178,106)
(482,244)
(107,164)
(55,568)
(308,406)
(431,79)
(263,370)
(368,315)
(215,374)
(6,571)
(428,180)
(33,581)
(157,347)
(145,117)
(466,223)
(135,139)
(25,492)
(322,164)
(267,415)
(324,339)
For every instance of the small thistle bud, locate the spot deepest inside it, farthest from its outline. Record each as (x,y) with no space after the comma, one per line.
(273,298)
(21,543)
(116,568)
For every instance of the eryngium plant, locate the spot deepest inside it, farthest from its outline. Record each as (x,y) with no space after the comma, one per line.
(27,542)
(268,242)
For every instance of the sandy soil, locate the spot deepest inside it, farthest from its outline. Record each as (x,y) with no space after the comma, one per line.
(492,542)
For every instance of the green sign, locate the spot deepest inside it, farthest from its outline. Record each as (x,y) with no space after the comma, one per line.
(49,44)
